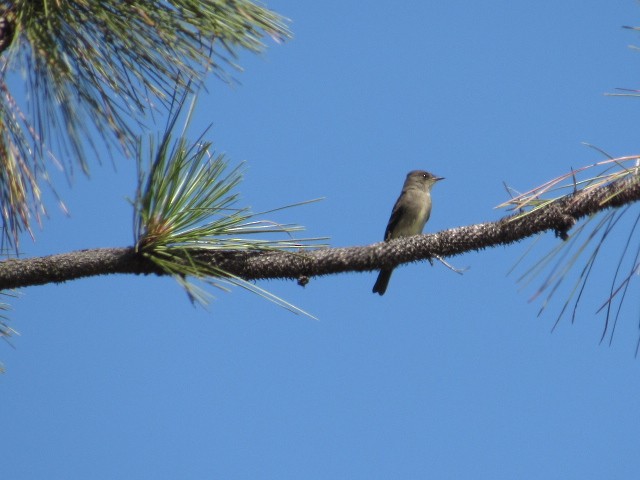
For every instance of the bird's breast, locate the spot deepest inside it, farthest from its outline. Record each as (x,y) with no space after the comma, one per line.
(413,220)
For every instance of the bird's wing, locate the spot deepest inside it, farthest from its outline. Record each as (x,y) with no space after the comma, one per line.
(396,215)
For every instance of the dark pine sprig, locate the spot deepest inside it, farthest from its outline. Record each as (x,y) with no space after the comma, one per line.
(93,70)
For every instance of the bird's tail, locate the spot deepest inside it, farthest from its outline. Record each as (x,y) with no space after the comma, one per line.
(381,283)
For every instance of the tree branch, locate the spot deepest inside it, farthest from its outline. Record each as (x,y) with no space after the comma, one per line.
(559,216)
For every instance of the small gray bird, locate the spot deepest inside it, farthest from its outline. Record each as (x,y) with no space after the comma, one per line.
(409,215)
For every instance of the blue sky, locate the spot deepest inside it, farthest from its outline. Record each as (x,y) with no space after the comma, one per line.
(446,376)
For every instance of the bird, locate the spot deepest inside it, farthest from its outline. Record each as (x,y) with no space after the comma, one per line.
(409,215)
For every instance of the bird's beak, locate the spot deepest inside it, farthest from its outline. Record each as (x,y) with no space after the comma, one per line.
(437,179)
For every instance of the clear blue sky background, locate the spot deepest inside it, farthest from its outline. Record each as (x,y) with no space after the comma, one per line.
(446,376)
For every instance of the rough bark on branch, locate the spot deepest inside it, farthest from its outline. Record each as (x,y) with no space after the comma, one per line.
(559,217)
